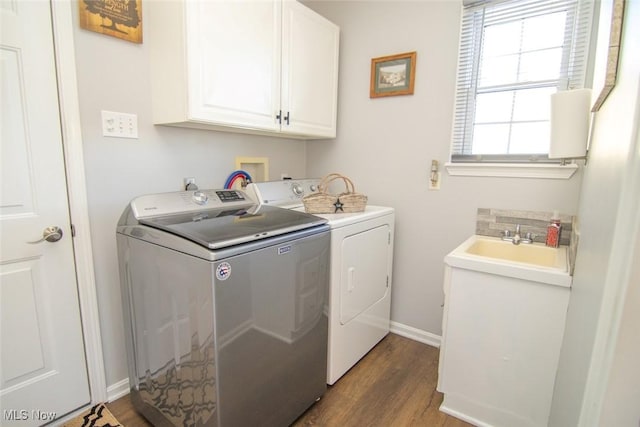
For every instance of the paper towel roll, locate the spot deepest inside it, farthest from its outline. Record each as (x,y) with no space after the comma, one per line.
(570,116)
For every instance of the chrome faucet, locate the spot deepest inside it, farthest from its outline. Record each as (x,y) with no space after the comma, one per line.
(517,238)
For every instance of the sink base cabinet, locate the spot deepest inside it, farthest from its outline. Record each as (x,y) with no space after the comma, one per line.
(265,67)
(500,347)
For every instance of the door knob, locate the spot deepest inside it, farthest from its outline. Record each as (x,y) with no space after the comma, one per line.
(50,234)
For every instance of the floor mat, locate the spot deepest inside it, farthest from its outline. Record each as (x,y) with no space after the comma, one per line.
(98,416)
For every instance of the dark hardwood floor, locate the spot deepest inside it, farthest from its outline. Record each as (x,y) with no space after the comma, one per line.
(393,385)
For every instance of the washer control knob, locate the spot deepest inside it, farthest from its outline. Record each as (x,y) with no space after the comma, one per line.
(313,187)
(297,189)
(200,197)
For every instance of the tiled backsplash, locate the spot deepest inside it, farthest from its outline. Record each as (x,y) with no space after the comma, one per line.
(493,222)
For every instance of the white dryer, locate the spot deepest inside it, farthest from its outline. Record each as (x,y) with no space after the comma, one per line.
(361,266)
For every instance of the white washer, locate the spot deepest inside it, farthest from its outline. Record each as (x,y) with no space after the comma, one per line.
(361,267)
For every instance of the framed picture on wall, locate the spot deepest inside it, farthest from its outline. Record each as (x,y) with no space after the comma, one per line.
(116,18)
(393,75)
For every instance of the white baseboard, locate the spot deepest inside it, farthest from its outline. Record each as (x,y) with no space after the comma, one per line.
(117,390)
(416,334)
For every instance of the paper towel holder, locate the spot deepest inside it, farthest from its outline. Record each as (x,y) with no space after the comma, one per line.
(570,124)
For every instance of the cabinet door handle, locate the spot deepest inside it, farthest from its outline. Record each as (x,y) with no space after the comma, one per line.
(286,118)
(279,117)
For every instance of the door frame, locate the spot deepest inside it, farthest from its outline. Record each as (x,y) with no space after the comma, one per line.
(62,19)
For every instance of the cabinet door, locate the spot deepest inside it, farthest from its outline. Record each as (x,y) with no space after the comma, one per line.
(309,71)
(501,344)
(233,61)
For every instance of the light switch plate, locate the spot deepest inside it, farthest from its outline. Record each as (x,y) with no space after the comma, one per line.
(119,125)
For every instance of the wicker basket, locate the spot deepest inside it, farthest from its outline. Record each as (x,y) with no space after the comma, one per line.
(322,202)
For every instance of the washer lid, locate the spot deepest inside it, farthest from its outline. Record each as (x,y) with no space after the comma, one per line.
(223,227)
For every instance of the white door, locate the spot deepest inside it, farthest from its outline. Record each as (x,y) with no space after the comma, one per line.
(43,368)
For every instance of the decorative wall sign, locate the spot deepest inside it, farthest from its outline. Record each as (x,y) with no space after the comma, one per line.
(117,18)
(393,75)
(615,38)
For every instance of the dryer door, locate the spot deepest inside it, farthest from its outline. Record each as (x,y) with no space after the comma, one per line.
(364,271)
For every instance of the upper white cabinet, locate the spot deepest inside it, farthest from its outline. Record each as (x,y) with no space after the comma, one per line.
(244,66)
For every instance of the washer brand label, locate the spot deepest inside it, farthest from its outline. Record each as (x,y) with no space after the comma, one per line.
(284,250)
(223,271)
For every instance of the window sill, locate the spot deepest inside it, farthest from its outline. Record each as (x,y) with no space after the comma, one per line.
(512,170)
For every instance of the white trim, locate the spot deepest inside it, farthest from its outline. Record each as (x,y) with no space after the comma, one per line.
(513,170)
(62,11)
(117,390)
(113,392)
(416,334)
(444,408)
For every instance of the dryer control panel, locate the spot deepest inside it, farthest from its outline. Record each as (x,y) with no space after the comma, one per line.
(287,193)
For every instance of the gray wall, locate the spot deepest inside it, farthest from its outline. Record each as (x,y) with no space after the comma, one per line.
(608,219)
(114,75)
(620,406)
(386,146)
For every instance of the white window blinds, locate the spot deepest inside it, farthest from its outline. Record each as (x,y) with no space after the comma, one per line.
(513,55)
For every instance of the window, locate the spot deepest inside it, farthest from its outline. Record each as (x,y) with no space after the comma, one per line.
(513,55)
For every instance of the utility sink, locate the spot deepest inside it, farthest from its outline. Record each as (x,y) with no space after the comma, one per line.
(533,261)
(504,313)
(535,254)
